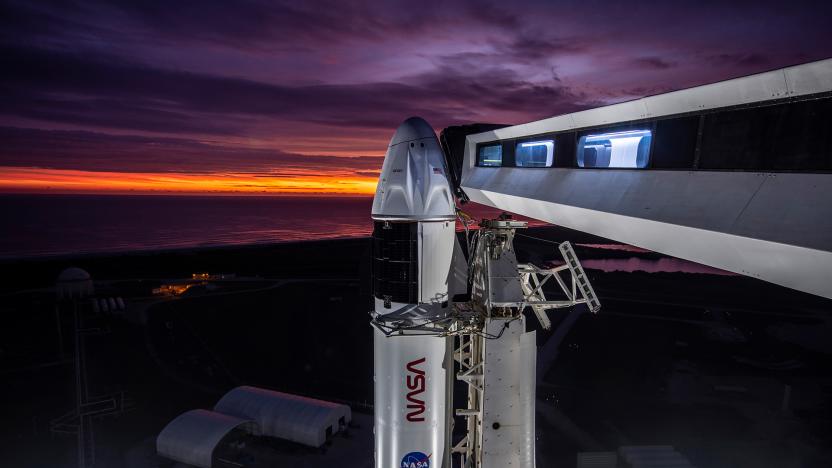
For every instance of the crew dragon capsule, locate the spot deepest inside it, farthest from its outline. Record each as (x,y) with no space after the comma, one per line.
(413,247)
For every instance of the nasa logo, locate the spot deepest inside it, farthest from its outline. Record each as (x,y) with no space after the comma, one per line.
(416,385)
(416,460)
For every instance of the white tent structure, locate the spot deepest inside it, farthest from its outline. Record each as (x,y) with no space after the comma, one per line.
(74,283)
(291,417)
(193,437)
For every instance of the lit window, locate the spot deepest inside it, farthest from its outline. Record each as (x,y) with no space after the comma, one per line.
(534,153)
(630,149)
(491,156)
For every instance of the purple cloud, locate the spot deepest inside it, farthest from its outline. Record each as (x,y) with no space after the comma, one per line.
(104,81)
(91,151)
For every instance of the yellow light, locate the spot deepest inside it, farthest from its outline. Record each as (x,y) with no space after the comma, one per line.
(327,181)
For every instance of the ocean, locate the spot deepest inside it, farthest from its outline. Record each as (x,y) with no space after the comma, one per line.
(39,225)
(66,225)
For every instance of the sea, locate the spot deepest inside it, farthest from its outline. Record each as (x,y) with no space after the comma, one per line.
(47,225)
(68,225)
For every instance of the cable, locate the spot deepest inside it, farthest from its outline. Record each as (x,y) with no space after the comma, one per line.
(466,221)
(489,336)
(391,330)
(538,239)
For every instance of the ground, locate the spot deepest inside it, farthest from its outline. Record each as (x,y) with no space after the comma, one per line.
(700,362)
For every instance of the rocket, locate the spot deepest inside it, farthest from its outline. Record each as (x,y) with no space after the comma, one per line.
(413,246)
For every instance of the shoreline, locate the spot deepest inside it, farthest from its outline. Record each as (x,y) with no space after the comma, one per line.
(576,237)
(166,250)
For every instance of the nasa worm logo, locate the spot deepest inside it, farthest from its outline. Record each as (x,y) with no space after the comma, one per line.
(416,460)
(416,385)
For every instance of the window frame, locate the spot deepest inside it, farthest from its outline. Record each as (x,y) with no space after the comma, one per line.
(551,159)
(480,146)
(649,126)
(566,142)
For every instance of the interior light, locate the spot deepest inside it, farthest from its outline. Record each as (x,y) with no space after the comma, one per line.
(607,136)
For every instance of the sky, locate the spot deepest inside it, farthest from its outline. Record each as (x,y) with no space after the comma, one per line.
(302,97)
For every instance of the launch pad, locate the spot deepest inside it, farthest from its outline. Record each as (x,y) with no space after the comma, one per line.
(682,173)
(444,315)
(493,354)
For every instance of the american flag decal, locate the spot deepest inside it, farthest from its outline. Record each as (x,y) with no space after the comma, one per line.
(436,170)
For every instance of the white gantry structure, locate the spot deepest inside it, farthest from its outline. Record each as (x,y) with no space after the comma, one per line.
(736,175)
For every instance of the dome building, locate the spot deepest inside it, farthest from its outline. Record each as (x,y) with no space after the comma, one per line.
(74,283)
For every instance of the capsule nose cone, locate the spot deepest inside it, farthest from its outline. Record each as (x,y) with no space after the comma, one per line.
(414,128)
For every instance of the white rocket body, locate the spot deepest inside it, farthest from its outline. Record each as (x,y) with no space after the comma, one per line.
(413,245)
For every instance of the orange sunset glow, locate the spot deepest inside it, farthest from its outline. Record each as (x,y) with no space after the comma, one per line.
(16,179)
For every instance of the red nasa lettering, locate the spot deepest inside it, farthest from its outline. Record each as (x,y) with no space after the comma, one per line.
(416,385)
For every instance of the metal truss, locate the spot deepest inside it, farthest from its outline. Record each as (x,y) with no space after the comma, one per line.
(533,278)
(501,289)
(470,357)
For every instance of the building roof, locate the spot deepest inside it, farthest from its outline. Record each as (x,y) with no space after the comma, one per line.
(282,415)
(73,274)
(73,283)
(192,437)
